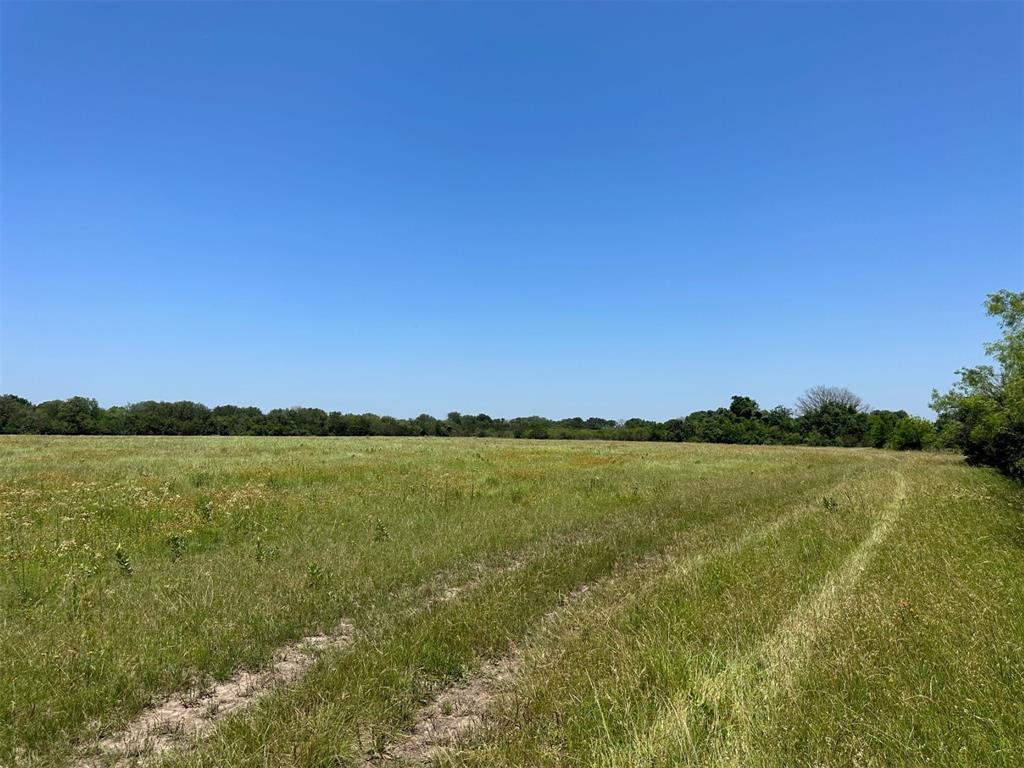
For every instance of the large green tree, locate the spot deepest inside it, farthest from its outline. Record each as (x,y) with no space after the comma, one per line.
(983,414)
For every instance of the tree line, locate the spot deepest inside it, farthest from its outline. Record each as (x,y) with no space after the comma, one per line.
(824,416)
(982,415)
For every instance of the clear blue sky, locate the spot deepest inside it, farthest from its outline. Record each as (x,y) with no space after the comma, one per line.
(566,209)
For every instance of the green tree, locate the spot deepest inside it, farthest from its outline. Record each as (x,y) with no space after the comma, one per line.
(912,433)
(744,407)
(983,413)
(17,415)
(834,423)
(880,426)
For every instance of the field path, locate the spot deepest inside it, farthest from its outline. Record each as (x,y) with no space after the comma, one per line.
(461,708)
(749,681)
(183,717)
(186,716)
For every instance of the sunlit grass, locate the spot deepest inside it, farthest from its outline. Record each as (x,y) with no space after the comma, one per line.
(134,567)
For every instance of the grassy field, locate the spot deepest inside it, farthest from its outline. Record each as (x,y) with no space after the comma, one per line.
(506,603)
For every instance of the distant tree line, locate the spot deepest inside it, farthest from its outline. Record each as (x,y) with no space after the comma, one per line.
(825,416)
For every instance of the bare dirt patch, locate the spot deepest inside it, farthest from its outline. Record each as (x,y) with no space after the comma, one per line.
(187,716)
(461,708)
(458,710)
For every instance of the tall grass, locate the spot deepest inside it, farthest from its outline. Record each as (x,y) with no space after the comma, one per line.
(135,567)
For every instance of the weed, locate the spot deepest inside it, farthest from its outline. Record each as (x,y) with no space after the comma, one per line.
(205,511)
(316,578)
(176,544)
(124,563)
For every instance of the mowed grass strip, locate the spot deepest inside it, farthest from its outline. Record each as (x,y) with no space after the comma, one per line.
(886,629)
(359,703)
(138,567)
(926,666)
(718,701)
(617,670)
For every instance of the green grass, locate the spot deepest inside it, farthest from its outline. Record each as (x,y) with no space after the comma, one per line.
(806,606)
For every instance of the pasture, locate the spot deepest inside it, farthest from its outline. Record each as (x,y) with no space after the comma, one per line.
(460,602)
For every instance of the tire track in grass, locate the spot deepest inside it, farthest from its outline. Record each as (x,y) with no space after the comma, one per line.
(186,716)
(775,665)
(442,589)
(460,709)
(748,683)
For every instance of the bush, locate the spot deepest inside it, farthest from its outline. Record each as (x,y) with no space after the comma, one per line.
(912,434)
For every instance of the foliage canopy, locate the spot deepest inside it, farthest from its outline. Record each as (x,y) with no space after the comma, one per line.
(983,413)
(829,416)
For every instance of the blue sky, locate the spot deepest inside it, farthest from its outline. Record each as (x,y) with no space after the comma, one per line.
(565,209)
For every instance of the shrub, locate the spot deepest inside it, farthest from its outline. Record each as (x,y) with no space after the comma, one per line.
(912,434)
